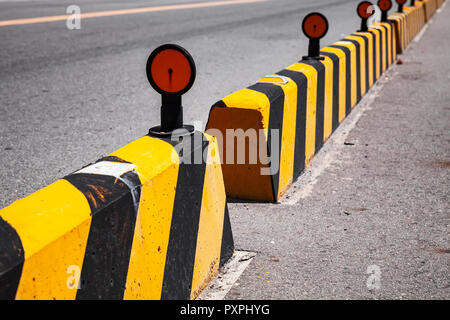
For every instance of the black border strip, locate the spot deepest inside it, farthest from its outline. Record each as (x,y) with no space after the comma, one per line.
(227,246)
(396,25)
(387,46)
(336,92)
(181,250)
(366,46)
(383,48)
(12,257)
(112,159)
(348,77)
(377,67)
(114,204)
(358,68)
(393,42)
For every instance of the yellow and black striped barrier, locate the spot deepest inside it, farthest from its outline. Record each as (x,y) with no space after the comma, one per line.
(149,221)
(430,7)
(399,21)
(409,22)
(138,224)
(305,102)
(415,19)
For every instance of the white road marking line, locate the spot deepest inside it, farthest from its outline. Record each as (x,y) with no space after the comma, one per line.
(221,285)
(99,14)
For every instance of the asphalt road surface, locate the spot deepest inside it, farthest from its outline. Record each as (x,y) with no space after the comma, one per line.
(68,97)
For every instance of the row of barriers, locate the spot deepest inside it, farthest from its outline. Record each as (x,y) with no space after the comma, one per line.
(308,107)
(150,221)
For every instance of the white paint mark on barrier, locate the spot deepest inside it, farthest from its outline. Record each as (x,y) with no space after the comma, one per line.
(343,42)
(107,168)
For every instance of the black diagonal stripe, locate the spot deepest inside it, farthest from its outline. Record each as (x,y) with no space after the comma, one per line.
(336,90)
(114,204)
(112,159)
(395,24)
(366,49)
(393,48)
(320,101)
(383,43)
(300,123)
(348,78)
(377,53)
(358,68)
(12,256)
(275,94)
(366,46)
(227,246)
(180,258)
(387,45)
(399,32)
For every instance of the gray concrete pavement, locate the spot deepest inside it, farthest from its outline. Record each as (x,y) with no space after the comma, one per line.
(381,200)
(68,97)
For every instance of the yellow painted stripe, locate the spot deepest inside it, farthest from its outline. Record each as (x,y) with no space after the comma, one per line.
(388,43)
(99,14)
(157,164)
(53,225)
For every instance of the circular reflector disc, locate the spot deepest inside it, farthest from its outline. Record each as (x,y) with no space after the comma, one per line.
(385,5)
(315,25)
(365,10)
(170,69)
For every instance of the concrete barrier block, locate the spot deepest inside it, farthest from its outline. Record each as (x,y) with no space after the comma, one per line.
(304,110)
(149,221)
